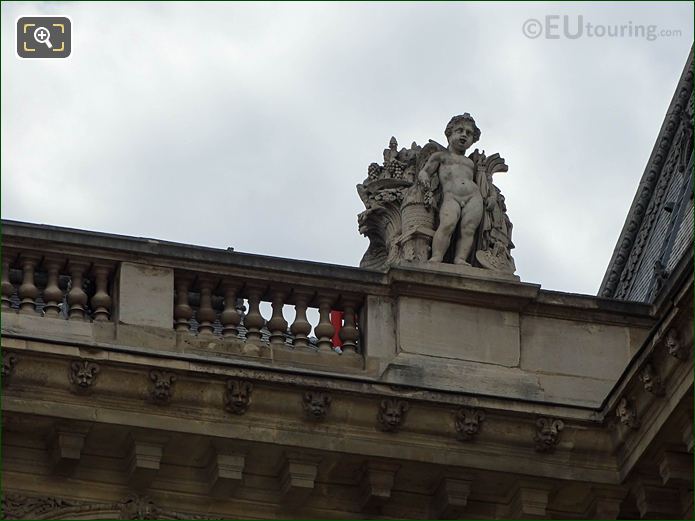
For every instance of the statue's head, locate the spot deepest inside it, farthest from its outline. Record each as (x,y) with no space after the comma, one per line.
(462,132)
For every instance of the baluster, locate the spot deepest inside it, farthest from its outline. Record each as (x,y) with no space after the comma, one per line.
(101,301)
(206,313)
(77,298)
(324,330)
(7,287)
(277,323)
(28,290)
(183,312)
(348,333)
(52,295)
(230,317)
(301,327)
(253,321)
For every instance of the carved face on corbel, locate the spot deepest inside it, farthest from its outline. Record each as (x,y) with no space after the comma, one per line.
(162,383)
(468,423)
(316,404)
(8,363)
(83,374)
(674,345)
(627,413)
(391,414)
(547,433)
(238,396)
(651,380)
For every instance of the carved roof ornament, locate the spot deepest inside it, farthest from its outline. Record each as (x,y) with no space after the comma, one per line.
(437,204)
(391,414)
(548,433)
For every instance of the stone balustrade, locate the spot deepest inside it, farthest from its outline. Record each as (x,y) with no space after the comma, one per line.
(225,307)
(409,326)
(56,285)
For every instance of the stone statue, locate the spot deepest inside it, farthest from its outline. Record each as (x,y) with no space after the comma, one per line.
(437,204)
(453,174)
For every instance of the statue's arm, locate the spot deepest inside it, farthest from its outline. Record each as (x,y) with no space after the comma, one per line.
(430,168)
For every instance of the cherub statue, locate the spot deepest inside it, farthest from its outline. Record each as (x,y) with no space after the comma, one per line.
(461,206)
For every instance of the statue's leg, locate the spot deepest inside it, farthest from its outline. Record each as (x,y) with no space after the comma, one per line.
(449,215)
(471,214)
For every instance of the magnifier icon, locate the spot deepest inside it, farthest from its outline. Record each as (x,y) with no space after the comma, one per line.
(43,35)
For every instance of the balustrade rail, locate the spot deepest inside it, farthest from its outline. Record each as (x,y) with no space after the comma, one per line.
(232,308)
(56,286)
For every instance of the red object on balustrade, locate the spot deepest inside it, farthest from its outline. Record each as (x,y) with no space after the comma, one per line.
(337,321)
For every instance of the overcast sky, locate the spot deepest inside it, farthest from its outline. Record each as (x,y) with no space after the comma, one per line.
(249,125)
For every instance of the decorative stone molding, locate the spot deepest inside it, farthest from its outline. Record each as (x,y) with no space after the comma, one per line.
(82,375)
(468,423)
(548,433)
(134,506)
(651,380)
(627,413)
(237,396)
(161,389)
(391,414)
(675,346)
(316,404)
(9,362)
(138,507)
(17,506)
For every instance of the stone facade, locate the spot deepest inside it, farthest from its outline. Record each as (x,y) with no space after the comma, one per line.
(141,379)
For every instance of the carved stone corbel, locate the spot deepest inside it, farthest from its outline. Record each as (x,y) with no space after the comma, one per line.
(225,472)
(376,483)
(298,478)
(450,498)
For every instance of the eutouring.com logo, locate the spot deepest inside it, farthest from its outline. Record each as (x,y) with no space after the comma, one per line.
(44,37)
(555,27)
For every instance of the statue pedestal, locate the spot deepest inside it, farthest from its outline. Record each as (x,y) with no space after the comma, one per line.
(458,269)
